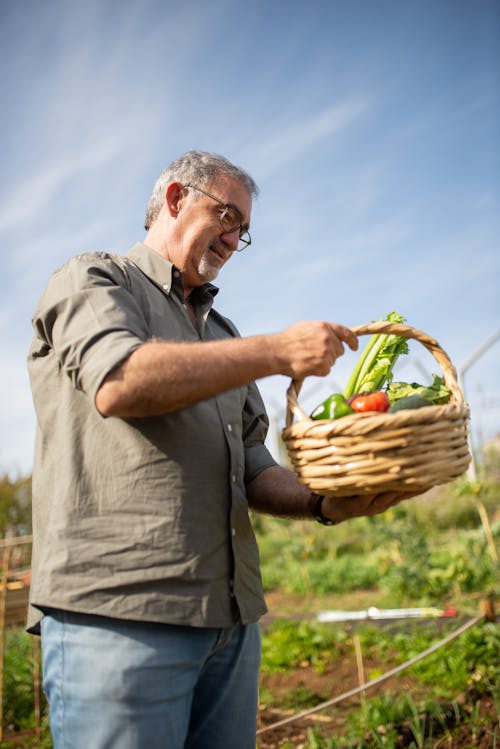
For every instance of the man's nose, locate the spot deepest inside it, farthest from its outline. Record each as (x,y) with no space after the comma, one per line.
(231,239)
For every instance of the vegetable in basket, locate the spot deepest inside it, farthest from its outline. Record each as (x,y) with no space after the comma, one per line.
(375,365)
(375,401)
(334,407)
(409,401)
(373,370)
(436,393)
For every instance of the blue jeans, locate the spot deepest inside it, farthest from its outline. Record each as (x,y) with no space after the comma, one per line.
(114,684)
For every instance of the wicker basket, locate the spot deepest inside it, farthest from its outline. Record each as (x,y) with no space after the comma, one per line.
(362,453)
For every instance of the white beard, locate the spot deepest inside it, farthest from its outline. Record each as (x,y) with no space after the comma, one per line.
(208,268)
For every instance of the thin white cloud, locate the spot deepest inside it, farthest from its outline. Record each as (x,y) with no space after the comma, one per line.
(29,198)
(286,143)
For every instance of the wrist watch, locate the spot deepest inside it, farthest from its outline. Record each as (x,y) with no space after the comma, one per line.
(317,511)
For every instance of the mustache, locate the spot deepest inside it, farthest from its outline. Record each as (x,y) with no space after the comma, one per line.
(220,249)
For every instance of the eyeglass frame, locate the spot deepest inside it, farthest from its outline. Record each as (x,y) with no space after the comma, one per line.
(226,207)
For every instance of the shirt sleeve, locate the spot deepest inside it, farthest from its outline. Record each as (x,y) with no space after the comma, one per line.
(89,320)
(255,428)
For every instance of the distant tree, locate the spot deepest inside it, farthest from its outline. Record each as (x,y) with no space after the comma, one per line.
(15,505)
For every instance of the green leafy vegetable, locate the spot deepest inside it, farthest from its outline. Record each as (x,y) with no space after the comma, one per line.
(375,365)
(436,393)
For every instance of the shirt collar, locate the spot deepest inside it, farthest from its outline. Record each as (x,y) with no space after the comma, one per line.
(162,272)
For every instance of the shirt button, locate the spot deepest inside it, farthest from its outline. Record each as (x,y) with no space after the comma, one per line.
(233,478)
(229,428)
(233,532)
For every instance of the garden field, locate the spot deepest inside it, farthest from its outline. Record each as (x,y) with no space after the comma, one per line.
(436,553)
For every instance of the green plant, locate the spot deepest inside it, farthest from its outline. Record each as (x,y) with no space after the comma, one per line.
(18,680)
(287,644)
(315,740)
(378,718)
(300,698)
(416,722)
(337,575)
(19,692)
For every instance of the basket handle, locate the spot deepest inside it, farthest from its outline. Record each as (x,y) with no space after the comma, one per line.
(405,331)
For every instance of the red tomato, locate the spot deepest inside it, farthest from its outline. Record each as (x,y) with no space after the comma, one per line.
(376,401)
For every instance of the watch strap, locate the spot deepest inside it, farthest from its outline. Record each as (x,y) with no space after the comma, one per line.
(318,513)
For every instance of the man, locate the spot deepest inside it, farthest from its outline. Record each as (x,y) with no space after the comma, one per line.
(149,453)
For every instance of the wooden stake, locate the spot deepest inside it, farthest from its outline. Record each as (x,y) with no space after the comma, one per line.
(487,607)
(487,530)
(361,670)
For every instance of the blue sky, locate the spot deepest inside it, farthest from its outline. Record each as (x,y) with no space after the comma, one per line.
(372,129)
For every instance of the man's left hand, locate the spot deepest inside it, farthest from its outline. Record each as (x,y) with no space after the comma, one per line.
(343,508)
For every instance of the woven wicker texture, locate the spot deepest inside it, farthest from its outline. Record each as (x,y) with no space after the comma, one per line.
(363,453)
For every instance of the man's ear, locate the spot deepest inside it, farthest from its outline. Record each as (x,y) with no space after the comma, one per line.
(174,196)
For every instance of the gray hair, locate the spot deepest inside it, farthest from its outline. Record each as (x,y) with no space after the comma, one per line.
(197,168)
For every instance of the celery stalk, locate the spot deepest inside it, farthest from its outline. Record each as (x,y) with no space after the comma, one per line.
(375,365)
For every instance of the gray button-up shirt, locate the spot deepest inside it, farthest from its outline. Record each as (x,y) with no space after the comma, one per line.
(140,518)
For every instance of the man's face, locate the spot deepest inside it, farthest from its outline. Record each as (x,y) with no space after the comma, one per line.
(203,246)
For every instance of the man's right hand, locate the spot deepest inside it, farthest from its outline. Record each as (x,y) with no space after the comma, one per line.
(312,348)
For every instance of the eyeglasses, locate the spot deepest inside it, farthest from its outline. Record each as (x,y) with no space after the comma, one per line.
(230,219)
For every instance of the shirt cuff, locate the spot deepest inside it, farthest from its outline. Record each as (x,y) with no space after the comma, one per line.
(257,459)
